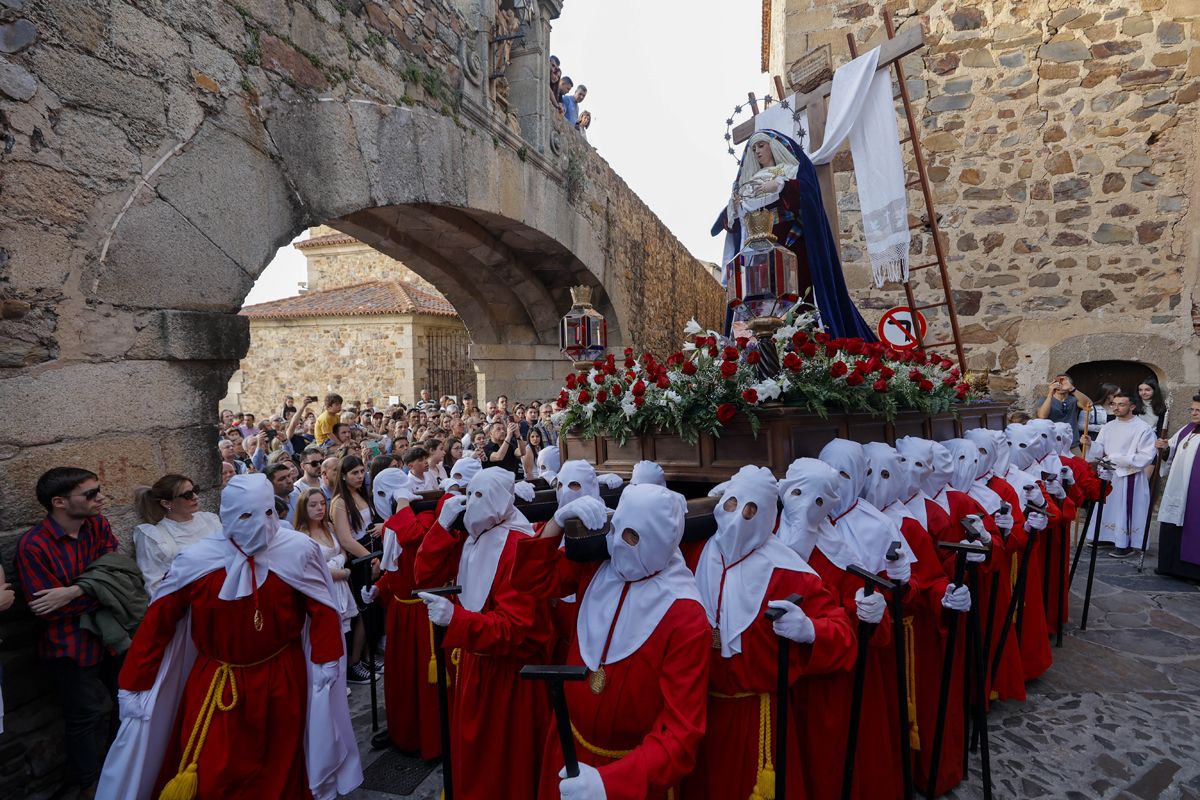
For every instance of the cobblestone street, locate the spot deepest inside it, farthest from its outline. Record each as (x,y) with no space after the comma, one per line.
(1115,718)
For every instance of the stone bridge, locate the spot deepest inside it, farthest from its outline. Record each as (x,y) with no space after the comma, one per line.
(155,157)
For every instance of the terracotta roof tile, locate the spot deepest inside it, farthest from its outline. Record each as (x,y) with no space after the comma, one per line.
(326,240)
(362,299)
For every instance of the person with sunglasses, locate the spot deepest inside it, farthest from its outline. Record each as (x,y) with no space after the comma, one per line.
(50,556)
(310,468)
(171,520)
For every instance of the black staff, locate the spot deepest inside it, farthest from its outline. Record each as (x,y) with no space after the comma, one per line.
(439,635)
(1087,525)
(1062,588)
(897,603)
(871,581)
(361,577)
(782,688)
(975,650)
(554,677)
(939,731)
(1087,595)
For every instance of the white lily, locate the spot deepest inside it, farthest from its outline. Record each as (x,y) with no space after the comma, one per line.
(673,397)
(693,328)
(768,389)
(628,406)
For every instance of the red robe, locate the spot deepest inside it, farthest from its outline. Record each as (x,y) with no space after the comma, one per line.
(930,654)
(266,726)
(642,731)
(1009,683)
(728,762)
(498,719)
(409,681)
(823,704)
(1034,647)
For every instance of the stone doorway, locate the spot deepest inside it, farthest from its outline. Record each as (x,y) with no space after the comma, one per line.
(1127,374)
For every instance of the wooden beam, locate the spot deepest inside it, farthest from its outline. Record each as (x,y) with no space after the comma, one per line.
(909,40)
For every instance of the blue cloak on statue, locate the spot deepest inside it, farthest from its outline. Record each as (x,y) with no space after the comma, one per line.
(838,313)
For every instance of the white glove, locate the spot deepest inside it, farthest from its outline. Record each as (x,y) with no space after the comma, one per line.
(1033,496)
(870,607)
(985,535)
(450,510)
(587,786)
(1065,475)
(589,510)
(957,598)
(368,594)
(1055,488)
(441,610)
(794,624)
(133,705)
(324,674)
(1036,521)
(719,489)
(974,558)
(612,480)
(899,570)
(1108,475)
(524,490)
(1004,521)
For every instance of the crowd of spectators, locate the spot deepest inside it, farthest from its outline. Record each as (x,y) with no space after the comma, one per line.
(567,98)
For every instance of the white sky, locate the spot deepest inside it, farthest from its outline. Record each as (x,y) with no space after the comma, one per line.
(662,78)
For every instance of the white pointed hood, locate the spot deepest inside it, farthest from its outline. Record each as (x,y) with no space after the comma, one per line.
(648,472)
(489,516)
(809,491)
(248,521)
(918,458)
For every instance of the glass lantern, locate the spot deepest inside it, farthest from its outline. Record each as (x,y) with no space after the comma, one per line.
(764,285)
(583,331)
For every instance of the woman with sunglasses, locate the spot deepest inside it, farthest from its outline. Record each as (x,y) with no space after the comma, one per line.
(172,520)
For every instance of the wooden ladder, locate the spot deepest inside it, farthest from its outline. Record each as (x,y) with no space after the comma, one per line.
(931,221)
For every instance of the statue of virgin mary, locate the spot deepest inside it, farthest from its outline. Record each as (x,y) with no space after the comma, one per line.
(776,174)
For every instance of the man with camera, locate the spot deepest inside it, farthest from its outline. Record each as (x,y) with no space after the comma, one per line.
(1063,401)
(506,447)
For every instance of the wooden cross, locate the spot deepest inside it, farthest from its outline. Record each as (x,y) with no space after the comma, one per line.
(816,102)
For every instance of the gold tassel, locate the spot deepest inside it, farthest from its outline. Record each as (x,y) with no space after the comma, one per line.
(764,787)
(432,669)
(183,786)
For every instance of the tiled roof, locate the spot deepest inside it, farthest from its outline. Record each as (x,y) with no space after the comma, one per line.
(362,299)
(326,240)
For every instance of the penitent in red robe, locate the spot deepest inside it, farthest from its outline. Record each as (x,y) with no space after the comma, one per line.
(256,749)
(643,729)
(743,687)
(1084,488)
(497,719)
(930,633)
(823,704)
(1032,641)
(409,681)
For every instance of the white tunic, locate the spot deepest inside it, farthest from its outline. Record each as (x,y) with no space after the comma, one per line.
(156,546)
(1129,445)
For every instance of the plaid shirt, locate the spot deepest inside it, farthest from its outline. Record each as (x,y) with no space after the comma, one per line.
(47,558)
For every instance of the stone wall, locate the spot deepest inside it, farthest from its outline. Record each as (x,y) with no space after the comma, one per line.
(346,264)
(1062,144)
(357,357)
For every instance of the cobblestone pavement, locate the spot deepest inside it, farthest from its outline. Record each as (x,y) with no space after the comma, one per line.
(1116,718)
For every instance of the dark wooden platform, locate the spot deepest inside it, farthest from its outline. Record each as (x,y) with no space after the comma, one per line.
(785,435)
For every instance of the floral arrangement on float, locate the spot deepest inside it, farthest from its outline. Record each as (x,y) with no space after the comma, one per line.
(711,380)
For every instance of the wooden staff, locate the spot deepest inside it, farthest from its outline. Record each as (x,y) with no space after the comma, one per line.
(782,690)
(443,696)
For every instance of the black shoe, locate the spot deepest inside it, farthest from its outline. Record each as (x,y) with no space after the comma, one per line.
(1121,552)
(358,674)
(381,740)
(377,666)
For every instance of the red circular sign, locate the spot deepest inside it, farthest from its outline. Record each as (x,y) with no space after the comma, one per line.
(896,327)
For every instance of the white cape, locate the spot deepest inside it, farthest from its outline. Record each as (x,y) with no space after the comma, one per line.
(331,752)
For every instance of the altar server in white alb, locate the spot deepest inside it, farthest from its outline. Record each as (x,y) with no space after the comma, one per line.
(1128,444)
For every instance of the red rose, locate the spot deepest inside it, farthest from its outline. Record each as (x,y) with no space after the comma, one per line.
(675,359)
(853,346)
(610,369)
(712,341)
(563,397)
(954,373)
(725,412)
(629,376)
(561,403)
(616,390)
(584,396)
(638,388)
(809,349)
(863,366)
(792,361)
(962,389)
(728,369)
(639,401)
(712,351)
(742,341)
(886,373)
(599,378)
(831,349)
(880,385)
(750,396)
(598,364)
(838,368)
(915,375)
(662,382)
(925,385)
(799,337)
(822,337)
(601,396)
(730,354)
(753,357)
(873,363)
(699,341)
(571,380)
(629,362)
(919,358)
(948,380)
(689,368)
(628,351)
(854,379)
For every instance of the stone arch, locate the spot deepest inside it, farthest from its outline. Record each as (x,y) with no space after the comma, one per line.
(1162,356)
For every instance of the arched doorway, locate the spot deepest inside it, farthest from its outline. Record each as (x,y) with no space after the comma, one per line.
(1089,375)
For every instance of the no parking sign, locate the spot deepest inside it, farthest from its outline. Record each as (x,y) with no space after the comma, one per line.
(896,327)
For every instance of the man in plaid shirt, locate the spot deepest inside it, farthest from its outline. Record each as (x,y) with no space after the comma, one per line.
(49,558)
